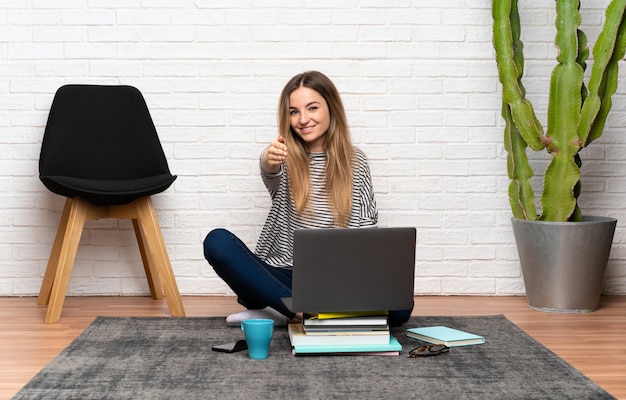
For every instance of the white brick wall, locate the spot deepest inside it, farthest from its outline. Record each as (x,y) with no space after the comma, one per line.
(419,84)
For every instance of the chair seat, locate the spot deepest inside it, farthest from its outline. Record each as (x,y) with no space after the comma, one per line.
(108,192)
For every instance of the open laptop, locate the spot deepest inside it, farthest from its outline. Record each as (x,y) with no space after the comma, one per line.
(345,270)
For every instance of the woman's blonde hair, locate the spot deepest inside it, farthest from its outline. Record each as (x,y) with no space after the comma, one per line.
(339,150)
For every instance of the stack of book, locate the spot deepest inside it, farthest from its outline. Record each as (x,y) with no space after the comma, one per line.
(343,334)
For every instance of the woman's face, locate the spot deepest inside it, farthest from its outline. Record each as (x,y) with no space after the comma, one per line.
(310,117)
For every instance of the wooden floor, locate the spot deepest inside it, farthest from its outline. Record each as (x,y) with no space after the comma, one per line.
(594,343)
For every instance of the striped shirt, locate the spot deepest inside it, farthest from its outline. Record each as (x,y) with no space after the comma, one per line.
(275,244)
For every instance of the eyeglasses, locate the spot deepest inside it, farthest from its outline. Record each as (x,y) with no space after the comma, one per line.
(428,351)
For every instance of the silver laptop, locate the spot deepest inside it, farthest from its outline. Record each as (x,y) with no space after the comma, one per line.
(344,270)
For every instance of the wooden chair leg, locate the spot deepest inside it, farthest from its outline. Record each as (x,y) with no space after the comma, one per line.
(67,254)
(155,245)
(149,238)
(53,261)
(156,290)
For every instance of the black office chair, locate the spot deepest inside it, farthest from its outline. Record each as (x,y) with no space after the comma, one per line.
(101,150)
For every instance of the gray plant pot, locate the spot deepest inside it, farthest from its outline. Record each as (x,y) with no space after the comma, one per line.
(563,263)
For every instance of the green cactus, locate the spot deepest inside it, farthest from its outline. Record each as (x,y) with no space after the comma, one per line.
(576,113)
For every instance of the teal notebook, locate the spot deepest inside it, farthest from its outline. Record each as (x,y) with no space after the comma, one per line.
(444,335)
(392,346)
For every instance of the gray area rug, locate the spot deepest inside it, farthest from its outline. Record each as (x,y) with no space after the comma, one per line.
(171,358)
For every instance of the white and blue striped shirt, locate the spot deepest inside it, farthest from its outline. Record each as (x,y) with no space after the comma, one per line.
(275,244)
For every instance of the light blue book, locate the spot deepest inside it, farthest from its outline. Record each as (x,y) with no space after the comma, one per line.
(444,335)
(393,347)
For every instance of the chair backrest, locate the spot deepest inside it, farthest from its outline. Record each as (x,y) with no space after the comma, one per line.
(102,133)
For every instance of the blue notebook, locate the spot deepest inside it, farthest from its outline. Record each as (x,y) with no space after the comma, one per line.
(392,346)
(444,335)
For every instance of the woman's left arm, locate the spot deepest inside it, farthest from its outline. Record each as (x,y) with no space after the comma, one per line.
(364,193)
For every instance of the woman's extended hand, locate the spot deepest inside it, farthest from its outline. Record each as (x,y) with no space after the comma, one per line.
(274,155)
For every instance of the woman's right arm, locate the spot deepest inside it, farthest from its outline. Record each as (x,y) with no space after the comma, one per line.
(274,156)
(271,164)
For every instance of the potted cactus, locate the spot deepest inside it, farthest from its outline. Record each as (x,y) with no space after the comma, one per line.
(563,269)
